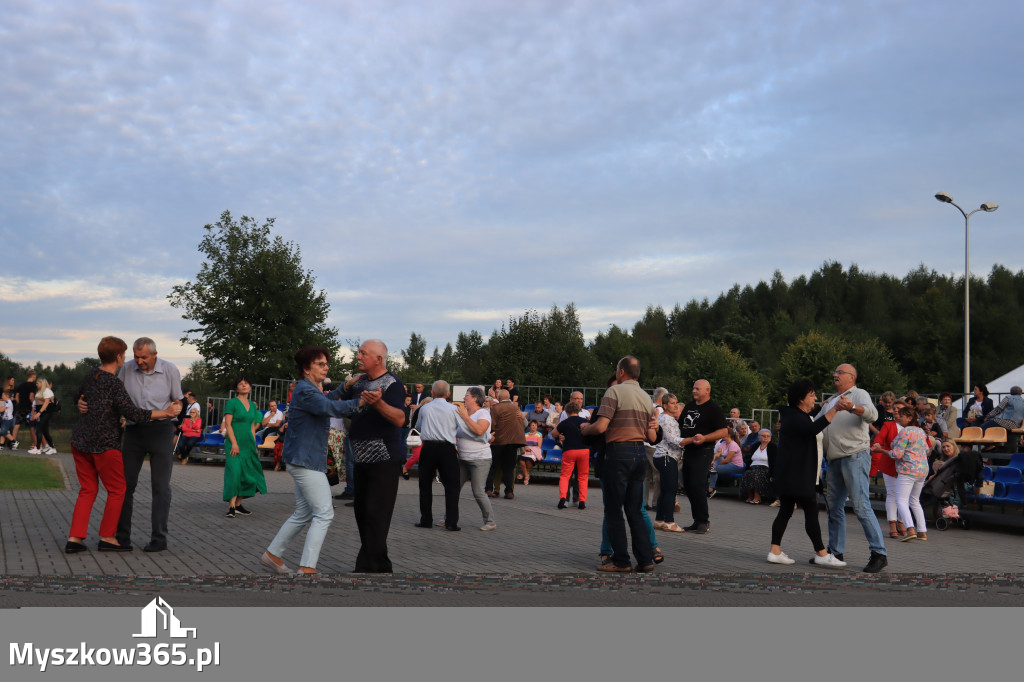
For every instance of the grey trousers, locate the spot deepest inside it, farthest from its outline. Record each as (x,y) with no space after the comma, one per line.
(475,471)
(155,439)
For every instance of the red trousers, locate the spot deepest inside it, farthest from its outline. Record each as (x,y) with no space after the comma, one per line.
(579,460)
(109,467)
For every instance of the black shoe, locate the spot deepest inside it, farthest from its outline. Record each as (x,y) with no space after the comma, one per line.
(75,547)
(581,505)
(423,525)
(242,510)
(105,546)
(692,527)
(561,503)
(231,513)
(877,563)
(838,555)
(702,529)
(712,493)
(452,528)
(405,475)
(153,547)
(345,496)
(350,504)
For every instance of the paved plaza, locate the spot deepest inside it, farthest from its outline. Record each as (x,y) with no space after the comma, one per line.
(538,556)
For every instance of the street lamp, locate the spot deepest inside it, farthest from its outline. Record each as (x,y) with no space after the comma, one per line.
(988,208)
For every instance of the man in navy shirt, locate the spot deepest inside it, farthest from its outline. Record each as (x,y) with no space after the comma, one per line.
(378,450)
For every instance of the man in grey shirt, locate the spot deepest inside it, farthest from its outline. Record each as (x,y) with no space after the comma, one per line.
(152,384)
(438,423)
(847,448)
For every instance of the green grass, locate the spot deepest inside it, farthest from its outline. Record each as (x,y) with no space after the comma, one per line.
(29,473)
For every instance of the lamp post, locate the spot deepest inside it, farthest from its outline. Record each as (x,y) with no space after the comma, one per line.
(988,208)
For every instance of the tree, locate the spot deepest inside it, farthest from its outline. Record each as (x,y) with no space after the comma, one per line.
(415,357)
(252,303)
(734,383)
(536,349)
(469,356)
(815,356)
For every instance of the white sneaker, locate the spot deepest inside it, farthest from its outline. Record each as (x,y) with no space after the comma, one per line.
(780,558)
(776,503)
(829,561)
(50,450)
(489,526)
(34,451)
(14,445)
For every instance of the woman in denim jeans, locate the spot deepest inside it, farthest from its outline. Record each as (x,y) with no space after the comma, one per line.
(305,456)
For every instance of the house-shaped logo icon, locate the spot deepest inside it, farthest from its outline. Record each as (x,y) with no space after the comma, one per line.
(158,616)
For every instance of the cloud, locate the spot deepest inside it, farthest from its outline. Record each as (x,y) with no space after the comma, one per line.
(446,165)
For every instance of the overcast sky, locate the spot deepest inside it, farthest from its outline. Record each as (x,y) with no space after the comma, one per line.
(444,165)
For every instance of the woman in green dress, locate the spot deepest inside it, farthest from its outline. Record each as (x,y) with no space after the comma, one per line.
(243,472)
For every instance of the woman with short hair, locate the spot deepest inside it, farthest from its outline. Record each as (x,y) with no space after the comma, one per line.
(305,457)
(96,446)
(473,445)
(756,481)
(797,468)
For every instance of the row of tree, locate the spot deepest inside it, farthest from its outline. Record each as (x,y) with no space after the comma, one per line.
(252,304)
(751,342)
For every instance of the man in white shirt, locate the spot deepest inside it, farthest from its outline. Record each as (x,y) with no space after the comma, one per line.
(438,424)
(576,397)
(271,421)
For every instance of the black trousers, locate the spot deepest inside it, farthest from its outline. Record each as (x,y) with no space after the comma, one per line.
(155,439)
(440,457)
(503,461)
(696,469)
(810,507)
(374,504)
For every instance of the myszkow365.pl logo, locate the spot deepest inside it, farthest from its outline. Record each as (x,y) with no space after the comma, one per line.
(157,620)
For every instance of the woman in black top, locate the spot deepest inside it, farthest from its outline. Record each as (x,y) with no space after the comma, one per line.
(96,442)
(796,472)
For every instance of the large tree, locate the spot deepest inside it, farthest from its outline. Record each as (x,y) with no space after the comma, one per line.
(252,303)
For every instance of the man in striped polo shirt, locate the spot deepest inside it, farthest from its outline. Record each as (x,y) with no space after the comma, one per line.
(626,418)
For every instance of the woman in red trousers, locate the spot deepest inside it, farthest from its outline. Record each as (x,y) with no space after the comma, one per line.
(95,443)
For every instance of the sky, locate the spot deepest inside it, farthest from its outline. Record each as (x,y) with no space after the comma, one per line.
(445,165)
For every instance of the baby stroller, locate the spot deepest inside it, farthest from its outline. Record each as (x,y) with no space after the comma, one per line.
(947,488)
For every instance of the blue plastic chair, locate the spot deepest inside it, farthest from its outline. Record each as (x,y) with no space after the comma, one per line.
(1014,494)
(1017,461)
(1007,475)
(986,473)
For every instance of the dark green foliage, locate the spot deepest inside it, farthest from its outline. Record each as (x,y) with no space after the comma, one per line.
(536,349)
(252,303)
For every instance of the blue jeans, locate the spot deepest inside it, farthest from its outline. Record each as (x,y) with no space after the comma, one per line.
(622,481)
(313,506)
(724,469)
(848,477)
(606,544)
(669,472)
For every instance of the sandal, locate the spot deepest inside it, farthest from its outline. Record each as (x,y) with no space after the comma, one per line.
(606,559)
(658,556)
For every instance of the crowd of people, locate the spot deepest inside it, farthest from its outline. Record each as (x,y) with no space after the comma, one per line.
(361,431)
